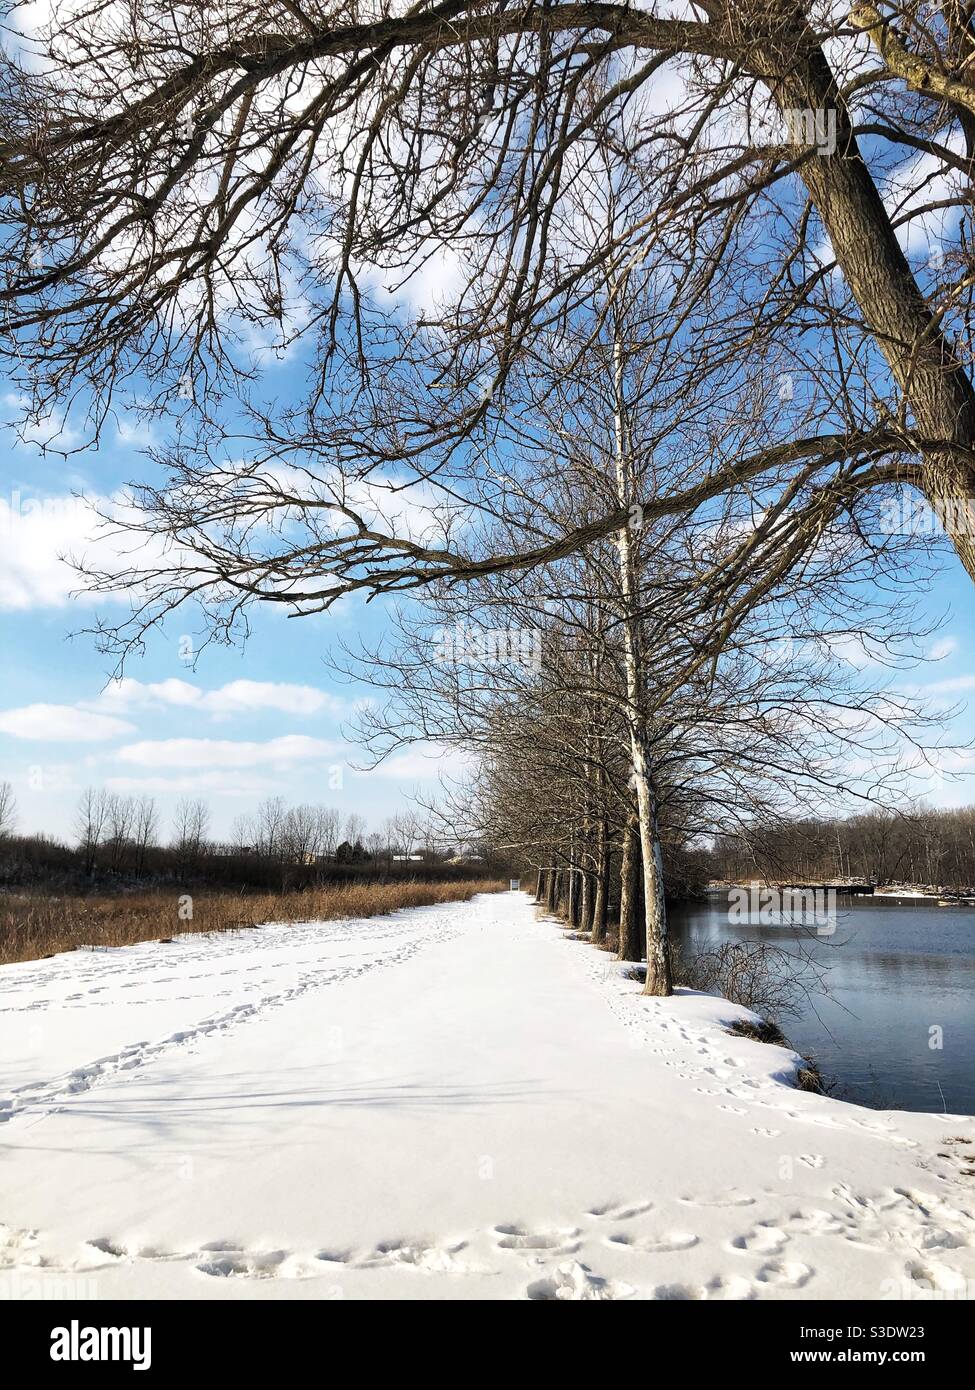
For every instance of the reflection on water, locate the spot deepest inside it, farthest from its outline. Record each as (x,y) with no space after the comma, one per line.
(896,974)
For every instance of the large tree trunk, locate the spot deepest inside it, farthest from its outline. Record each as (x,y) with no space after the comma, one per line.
(572,894)
(655,909)
(539,885)
(585,898)
(552,894)
(631,939)
(923,363)
(600,883)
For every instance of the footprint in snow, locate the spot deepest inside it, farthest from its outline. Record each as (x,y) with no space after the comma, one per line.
(786,1275)
(432,1258)
(16,1247)
(721,1199)
(237,1264)
(717,1288)
(112,1248)
(515,1237)
(624,1211)
(764,1239)
(930,1280)
(574,1283)
(653,1245)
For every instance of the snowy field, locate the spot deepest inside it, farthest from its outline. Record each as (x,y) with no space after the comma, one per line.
(451,1102)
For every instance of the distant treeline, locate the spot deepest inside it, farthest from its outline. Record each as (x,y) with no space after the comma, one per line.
(118,843)
(926,847)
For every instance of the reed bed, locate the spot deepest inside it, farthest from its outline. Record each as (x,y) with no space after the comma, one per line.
(36,924)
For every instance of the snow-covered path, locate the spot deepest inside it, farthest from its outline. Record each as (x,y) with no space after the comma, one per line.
(452,1102)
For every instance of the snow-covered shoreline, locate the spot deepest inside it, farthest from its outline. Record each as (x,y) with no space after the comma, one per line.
(889,891)
(451,1102)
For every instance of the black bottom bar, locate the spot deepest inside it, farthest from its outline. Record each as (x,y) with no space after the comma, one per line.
(60,1341)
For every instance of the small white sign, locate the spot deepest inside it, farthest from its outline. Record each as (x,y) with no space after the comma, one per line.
(514,884)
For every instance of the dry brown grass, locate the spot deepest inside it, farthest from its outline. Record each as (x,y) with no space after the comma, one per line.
(33,924)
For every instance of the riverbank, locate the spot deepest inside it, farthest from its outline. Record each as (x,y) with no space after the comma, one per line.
(450,1102)
(964,897)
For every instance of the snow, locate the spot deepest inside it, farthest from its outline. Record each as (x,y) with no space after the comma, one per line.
(449,1102)
(902,893)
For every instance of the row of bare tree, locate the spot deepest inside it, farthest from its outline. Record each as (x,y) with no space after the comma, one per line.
(609,734)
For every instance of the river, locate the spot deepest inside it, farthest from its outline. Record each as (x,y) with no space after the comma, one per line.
(897,1028)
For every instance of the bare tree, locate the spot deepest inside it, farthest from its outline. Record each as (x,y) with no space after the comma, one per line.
(269,829)
(119,824)
(300,834)
(354,828)
(8,810)
(145,828)
(191,821)
(327,831)
(90,822)
(275,166)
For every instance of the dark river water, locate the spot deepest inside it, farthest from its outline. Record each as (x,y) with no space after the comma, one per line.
(894,973)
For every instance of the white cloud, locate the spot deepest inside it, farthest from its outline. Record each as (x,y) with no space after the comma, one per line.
(35,534)
(61,723)
(209,752)
(236,697)
(955,686)
(430,763)
(214,783)
(943,647)
(40,536)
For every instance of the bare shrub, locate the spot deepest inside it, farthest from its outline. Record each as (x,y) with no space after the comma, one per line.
(755,974)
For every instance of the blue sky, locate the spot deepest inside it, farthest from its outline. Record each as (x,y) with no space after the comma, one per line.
(245,724)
